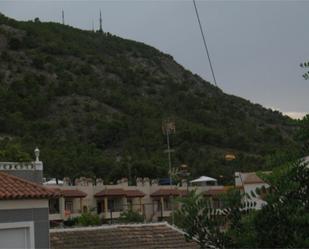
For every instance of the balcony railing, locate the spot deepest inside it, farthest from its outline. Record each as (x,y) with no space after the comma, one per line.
(16,166)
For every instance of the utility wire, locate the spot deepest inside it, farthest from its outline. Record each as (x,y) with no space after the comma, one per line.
(205,44)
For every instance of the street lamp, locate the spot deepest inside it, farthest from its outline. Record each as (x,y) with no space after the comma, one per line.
(168,127)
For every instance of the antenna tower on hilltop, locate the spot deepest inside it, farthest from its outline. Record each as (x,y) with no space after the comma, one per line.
(63,17)
(100,30)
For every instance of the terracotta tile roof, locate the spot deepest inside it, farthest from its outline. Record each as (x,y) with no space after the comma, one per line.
(134,193)
(215,192)
(12,187)
(73,193)
(183,192)
(168,192)
(111,192)
(143,236)
(252,178)
(119,192)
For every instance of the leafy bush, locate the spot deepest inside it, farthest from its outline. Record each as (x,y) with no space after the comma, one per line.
(71,222)
(88,219)
(131,217)
(284,221)
(202,221)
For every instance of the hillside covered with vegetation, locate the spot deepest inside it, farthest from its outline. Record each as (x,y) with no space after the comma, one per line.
(94,104)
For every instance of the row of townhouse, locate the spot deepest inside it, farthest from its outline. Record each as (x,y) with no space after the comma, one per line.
(27,207)
(152,200)
(147,197)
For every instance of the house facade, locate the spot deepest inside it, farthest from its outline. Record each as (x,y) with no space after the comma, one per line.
(152,200)
(24,205)
(23,213)
(250,181)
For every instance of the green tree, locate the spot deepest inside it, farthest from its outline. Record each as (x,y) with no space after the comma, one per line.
(13,152)
(284,221)
(200,221)
(303,132)
(213,227)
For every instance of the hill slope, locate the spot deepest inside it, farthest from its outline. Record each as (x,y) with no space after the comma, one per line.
(94,103)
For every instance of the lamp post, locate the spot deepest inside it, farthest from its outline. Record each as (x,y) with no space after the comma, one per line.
(168,127)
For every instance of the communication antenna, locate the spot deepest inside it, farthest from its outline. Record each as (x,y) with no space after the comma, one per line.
(168,128)
(63,17)
(100,30)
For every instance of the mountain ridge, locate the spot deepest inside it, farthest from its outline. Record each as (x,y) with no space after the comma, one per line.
(94,103)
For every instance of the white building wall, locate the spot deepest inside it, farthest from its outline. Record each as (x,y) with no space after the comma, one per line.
(249,188)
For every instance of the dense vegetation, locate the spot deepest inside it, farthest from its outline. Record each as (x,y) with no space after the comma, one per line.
(94,104)
(282,223)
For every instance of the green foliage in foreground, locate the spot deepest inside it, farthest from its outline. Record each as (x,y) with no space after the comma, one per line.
(282,223)
(201,221)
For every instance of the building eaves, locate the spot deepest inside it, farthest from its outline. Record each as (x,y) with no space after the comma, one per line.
(13,187)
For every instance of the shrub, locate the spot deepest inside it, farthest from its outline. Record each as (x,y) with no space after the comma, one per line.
(71,222)
(131,217)
(89,219)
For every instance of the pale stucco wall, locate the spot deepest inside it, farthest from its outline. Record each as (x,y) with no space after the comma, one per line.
(35,211)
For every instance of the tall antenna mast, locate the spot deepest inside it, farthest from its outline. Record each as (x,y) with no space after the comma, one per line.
(63,17)
(92,26)
(100,30)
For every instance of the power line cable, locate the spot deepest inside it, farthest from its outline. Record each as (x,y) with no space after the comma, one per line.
(204,40)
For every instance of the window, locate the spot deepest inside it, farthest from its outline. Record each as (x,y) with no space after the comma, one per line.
(167,204)
(69,205)
(158,202)
(17,235)
(115,205)
(53,206)
(130,204)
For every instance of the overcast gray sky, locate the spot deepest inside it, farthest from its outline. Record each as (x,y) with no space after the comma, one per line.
(256,46)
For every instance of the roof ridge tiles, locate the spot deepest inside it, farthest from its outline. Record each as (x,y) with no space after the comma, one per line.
(54,230)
